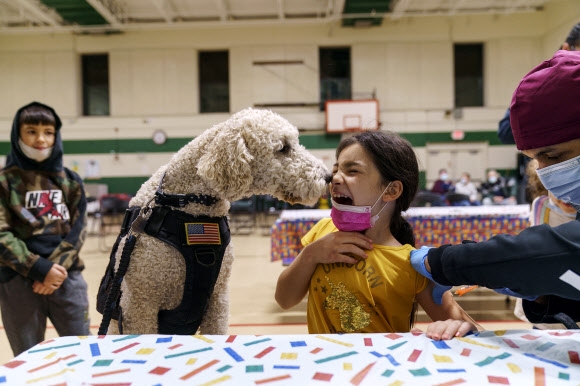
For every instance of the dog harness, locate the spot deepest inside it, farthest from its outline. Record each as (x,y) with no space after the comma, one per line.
(202,242)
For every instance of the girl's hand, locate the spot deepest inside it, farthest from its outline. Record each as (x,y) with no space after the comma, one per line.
(340,247)
(448,329)
(336,247)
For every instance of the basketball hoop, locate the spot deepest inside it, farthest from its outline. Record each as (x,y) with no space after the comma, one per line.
(352,122)
(347,116)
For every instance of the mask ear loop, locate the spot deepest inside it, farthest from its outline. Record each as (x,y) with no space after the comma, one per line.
(378,199)
(376,216)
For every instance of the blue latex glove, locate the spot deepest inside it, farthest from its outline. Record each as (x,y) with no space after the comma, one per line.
(509,292)
(418,257)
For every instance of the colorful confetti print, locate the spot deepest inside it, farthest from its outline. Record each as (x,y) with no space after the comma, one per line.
(518,357)
(431,229)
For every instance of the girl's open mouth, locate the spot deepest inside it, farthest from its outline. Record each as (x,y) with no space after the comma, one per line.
(340,199)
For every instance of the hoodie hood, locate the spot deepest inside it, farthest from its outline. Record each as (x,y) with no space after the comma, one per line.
(17,158)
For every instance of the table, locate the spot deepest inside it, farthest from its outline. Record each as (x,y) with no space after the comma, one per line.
(515,357)
(433,226)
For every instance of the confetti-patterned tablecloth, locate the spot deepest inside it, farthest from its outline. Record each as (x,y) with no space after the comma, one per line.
(516,357)
(430,229)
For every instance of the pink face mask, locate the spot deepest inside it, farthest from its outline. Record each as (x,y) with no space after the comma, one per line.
(352,218)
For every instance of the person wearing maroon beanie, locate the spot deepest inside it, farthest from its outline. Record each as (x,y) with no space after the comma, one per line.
(504,132)
(541,264)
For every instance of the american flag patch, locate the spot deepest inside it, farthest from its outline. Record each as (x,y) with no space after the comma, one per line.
(202,233)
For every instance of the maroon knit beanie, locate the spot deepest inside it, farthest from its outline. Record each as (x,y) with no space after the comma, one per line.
(545,107)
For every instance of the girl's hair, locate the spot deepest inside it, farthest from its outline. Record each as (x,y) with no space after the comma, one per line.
(37,115)
(396,161)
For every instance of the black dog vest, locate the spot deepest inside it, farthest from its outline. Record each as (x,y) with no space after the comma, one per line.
(202,242)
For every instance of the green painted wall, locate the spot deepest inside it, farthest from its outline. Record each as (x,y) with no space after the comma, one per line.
(132,184)
(310,141)
(128,185)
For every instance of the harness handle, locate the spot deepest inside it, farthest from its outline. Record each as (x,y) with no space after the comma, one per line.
(137,227)
(116,286)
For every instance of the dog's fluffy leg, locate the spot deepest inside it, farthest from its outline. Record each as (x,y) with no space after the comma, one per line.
(113,328)
(153,282)
(216,318)
(143,319)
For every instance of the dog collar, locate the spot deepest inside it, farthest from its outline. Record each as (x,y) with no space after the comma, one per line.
(180,200)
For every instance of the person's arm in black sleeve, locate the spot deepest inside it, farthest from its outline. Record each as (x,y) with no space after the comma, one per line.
(504,130)
(545,309)
(529,264)
(485,190)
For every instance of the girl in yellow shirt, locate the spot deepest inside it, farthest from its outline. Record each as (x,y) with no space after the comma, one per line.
(356,266)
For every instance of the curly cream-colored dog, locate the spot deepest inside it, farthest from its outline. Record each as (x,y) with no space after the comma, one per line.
(253,152)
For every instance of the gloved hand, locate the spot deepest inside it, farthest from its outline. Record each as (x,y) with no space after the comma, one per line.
(509,292)
(418,257)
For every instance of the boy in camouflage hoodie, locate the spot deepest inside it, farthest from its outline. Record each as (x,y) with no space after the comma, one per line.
(42,228)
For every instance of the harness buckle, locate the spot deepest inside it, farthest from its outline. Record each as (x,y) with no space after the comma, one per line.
(138,225)
(181,200)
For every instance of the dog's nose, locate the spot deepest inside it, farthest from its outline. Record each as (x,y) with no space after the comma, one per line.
(328,178)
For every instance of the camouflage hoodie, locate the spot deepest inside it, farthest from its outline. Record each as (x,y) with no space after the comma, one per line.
(42,211)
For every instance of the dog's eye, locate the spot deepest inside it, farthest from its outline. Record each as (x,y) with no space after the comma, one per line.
(285,149)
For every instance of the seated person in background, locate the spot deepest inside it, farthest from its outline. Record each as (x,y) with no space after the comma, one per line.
(441,187)
(546,209)
(443,184)
(465,186)
(497,191)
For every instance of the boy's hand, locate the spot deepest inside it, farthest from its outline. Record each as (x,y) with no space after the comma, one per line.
(55,276)
(41,289)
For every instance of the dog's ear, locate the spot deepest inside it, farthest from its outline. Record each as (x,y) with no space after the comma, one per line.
(225,165)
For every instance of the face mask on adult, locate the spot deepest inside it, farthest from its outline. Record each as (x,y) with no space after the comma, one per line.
(353,218)
(492,179)
(35,154)
(563,180)
(444,177)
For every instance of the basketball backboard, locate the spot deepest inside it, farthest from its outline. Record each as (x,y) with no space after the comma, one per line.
(352,115)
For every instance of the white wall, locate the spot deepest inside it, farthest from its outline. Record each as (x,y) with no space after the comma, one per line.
(148,82)
(407,62)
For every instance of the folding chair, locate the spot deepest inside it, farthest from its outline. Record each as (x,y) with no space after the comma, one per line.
(457,199)
(426,198)
(243,216)
(268,209)
(111,213)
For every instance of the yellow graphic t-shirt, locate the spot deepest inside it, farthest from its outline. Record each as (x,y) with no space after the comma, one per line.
(374,295)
